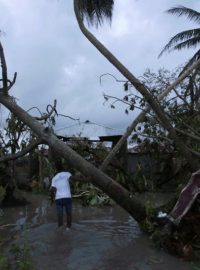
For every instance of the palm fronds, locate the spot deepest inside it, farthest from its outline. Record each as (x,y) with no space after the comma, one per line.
(194,58)
(95,11)
(191,14)
(191,43)
(184,36)
(186,39)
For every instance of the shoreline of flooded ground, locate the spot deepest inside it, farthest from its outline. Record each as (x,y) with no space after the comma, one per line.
(101,238)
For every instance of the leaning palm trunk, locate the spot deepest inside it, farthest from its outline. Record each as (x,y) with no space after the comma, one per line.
(151,100)
(119,194)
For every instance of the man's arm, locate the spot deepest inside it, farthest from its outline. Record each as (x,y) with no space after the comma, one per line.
(52,194)
(80,178)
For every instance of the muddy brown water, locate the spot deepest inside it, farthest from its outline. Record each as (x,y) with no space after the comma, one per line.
(103,238)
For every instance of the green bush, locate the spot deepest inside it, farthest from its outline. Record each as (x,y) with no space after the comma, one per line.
(22,256)
(4,265)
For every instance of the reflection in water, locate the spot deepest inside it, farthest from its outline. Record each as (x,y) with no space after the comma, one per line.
(21,222)
(120,232)
(40,213)
(100,239)
(109,222)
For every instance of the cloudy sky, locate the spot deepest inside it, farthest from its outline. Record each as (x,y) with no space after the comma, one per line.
(43,43)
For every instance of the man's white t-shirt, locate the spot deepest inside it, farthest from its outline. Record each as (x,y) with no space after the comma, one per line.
(61,182)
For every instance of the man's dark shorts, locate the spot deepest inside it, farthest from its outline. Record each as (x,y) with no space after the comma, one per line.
(64,203)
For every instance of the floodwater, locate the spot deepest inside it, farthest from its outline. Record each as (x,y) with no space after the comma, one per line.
(101,238)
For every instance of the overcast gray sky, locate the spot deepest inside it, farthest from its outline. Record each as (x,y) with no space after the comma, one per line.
(43,43)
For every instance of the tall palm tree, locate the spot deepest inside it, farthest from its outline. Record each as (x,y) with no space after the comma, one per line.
(185,39)
(81,12)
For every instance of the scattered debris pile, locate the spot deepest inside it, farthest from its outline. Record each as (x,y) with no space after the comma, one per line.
(182,236)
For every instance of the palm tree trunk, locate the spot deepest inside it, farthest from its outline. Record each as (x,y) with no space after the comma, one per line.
(119,194)
(139,86)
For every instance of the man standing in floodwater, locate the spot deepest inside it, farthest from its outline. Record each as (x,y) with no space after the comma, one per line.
(61,193)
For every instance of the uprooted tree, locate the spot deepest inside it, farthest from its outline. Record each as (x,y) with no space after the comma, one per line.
(96,176)
(46,136)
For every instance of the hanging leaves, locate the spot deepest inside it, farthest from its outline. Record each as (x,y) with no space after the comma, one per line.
(126,86)
(126,98)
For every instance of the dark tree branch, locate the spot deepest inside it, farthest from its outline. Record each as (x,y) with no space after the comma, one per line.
(4,70)
(49,113)
(67,116)
(50,110)
(108,74)
(154,137)
(116,99)
(45,116)
(13,81)
(192,136)
(33,144)
(190,128)
(183,99)
(36,109)
(4,79)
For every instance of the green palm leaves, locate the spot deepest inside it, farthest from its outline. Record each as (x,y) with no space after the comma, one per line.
(95,11)
(186,39)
